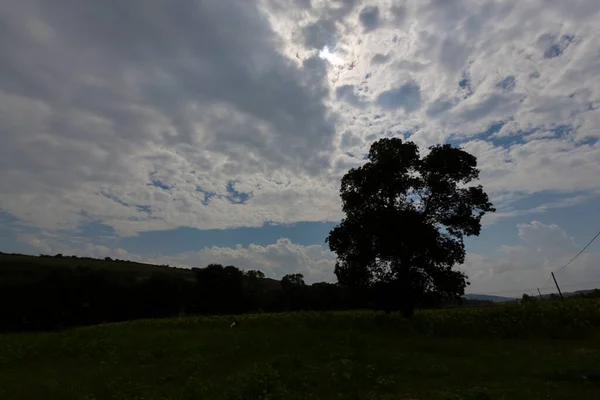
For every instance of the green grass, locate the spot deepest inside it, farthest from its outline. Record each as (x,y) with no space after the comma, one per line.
(23,267)
(347,355)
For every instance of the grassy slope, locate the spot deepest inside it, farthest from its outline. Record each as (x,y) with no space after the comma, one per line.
(17,267)
(290,357)
(12,265)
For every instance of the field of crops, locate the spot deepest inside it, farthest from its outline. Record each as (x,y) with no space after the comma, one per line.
(542,350)
(548,319)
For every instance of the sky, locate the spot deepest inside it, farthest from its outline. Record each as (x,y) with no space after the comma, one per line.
(197,132)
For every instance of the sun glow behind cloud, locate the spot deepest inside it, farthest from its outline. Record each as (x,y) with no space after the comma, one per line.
(332,57)
(161,119)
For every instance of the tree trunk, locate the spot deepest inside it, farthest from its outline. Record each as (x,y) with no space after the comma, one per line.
(407,310)
(405,297)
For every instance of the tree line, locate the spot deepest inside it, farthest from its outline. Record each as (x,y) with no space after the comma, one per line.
(61,297)
(406,218)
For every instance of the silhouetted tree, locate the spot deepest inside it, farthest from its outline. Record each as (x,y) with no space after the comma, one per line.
(406,218)
(46,297)
(254,290)
(527,298)
(294,288)
(220,289)
(291,280)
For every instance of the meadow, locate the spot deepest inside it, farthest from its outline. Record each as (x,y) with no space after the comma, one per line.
(542,350)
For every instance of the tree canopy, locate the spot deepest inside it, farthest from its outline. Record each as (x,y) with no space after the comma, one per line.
(406,218)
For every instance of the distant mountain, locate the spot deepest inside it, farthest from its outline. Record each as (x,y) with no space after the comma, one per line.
(485,297)
(571,294)
(499,299)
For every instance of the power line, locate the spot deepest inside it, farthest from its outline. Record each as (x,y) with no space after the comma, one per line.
(579,284)
(578,254)
(533,290)
(507,291)
(550,277)
(573,259)
(545,283)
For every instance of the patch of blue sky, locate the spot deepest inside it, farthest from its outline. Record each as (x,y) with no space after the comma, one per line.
(10,229)
(94,230)
(115,199)
(207,195)
(158,183)
(190,239)
(580,220)
(144,209)
(490,134)
(501,232)
(234,196)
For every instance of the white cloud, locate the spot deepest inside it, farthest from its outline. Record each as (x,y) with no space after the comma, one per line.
(154,114)
(522,269)
(538,165)
(275,260)
(98,102)
(512,271)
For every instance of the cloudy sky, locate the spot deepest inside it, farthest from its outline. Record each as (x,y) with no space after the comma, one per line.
(217,130)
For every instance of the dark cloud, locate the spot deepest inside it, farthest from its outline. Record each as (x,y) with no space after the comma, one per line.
(454,54)
(465,84)
(137,62)
(282,7)
(507,83)
(380,58)
(558,46)
(306,4)
(348,94)
(320,34)
(439,107)
(410,65)
(399,13)
(350,140)
(369,18)
(407,96)
(342,8)
(496,104)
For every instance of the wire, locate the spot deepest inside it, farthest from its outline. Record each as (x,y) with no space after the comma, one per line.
(578,284)
(506,291)
(533,290)
(567,264)
(578,254)
(548,280)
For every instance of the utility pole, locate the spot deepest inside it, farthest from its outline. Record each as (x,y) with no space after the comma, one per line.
(556,283)
(541,298)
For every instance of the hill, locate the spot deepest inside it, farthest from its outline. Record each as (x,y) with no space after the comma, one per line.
(22,267)
(485,297)
(348,355)
(586,292)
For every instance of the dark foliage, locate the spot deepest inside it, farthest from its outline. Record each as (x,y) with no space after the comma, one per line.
(406,218)
(35,297)
(38,297)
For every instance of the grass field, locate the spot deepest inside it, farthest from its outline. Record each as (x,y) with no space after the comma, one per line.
(18,266)
(345,355)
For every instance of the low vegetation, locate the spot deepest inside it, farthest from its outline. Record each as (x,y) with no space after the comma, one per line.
(48,293)
(406,218)
(499,352)
(166,333)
